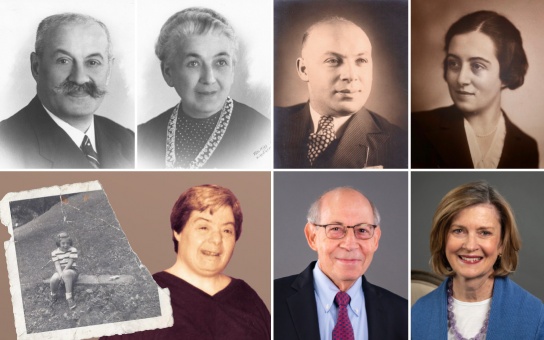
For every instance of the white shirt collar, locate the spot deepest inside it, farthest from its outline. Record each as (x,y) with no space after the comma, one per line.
(75,134)
(337,121)
(326,291)
(491,159)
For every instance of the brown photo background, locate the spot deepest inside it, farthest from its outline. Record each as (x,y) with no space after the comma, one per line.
(385,23)
(430,22)
(142,202)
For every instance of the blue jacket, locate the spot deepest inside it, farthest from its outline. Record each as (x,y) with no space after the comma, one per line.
(515,314)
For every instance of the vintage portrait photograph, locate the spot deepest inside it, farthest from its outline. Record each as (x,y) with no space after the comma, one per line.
(476,84)
(340,84)
(204,84)
(161,218)
(72,271)
(67,94)
(476,255)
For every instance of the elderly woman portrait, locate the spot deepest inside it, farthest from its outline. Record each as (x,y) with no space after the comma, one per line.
(206,222)
(484,56)
(198,52)
(474,243)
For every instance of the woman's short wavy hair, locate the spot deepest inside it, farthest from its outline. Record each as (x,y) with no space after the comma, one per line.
(192,21)
(201,198)
(506,38)
(460,198)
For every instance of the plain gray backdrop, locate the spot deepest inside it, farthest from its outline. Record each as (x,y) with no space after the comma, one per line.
(294,192)
(523,190)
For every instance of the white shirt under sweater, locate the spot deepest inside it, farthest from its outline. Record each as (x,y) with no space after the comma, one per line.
(469,317)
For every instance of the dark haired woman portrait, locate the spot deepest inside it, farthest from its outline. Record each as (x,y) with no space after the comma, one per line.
(484,56)
(474,243)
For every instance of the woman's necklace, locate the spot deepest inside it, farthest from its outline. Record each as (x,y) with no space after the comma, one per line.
(487,134)
(451,318)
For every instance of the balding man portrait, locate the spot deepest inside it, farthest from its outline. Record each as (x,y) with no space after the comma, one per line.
(334,129)
(71,65)
(331,298)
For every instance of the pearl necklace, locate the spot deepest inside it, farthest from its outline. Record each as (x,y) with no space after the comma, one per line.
(451,318)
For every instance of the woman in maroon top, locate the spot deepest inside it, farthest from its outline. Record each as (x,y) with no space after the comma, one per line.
(206,222)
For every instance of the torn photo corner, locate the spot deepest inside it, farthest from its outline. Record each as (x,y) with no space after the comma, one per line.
(72,272)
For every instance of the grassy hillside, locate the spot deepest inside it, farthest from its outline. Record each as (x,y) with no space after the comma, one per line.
(103,250)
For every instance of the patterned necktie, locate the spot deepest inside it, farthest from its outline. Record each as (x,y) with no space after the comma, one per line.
(89,152)
(342,330)
(319,140)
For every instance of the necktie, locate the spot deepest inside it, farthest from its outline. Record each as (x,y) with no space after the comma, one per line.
(342,330)
(319,140)
(89,152)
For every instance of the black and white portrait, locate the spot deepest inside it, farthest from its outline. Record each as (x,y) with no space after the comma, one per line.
(204,84)
(67,93)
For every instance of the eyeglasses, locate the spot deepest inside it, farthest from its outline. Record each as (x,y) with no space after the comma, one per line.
(362,231)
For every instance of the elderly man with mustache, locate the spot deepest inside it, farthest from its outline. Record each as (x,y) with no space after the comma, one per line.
(58,128)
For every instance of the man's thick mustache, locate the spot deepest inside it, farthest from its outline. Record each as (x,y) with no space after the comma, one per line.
(68,87)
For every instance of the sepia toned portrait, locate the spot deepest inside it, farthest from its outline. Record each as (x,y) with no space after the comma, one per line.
(204,75)
(67,96)
(340,91)
(476,73)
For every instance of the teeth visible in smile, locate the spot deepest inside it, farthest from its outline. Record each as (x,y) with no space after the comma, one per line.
(210,253)
(471,259)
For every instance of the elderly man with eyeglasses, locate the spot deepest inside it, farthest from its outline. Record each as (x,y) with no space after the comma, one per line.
(331,298)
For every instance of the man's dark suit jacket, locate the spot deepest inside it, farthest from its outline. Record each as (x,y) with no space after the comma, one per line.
(295,310)
(31,139)
(439,141)
(367,140)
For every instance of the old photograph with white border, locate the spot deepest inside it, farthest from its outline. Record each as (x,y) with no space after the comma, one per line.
(72,272)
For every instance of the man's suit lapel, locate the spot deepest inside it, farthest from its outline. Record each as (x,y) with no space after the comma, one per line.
(297,138)
(375,312)
(302,304)
(358,144)
(55,147)
(109,149)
